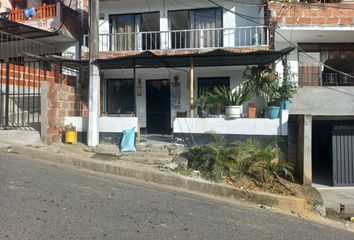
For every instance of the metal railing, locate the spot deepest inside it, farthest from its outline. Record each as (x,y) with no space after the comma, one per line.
(41,12)
(326,79)
(183,39)
(14,47)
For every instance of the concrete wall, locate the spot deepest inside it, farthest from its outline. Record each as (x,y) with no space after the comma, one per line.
(105,124)
(324,101)
(240,126)
(235,74)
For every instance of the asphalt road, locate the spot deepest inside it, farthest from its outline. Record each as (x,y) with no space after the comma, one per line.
(44,201)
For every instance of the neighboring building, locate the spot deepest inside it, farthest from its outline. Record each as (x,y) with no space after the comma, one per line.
(56,23)
(156,56)
(321,126)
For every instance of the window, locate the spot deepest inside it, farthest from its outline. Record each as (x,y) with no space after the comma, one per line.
(335,57)
(207,85)
(120,96)
(125,29)
(206,24)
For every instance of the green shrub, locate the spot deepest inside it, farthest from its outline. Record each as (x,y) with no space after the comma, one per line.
(252,157)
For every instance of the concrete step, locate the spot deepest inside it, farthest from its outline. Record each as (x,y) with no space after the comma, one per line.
(147,155)
(146,160)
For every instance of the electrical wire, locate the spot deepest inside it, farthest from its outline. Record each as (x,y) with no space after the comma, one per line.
(293,45)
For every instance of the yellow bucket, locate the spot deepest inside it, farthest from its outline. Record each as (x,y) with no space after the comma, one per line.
(71,137)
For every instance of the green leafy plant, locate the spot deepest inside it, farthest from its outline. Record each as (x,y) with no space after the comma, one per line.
(271,92)
(288,87)
(257,159)
(69,127)
(227,97)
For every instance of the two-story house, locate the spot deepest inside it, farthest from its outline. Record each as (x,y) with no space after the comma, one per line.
(321,126)
(157,56)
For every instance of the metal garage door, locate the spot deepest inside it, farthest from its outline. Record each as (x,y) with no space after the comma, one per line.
(343,155)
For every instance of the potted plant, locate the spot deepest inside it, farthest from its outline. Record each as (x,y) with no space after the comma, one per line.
(203,104)
(268,75)
(70,133)
(252,110)
(288,86)
(233,100)
(271,92)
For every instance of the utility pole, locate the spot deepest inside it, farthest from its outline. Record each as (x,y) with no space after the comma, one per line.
(94,83)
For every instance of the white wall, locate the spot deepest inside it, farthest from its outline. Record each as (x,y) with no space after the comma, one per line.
(240,126)
(105,124)
(5,6)
(235,74)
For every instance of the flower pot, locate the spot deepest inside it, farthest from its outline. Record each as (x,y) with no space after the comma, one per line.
(286,104)
(71,137)
(272,112)
(232,112)
(270,77)
(252,112)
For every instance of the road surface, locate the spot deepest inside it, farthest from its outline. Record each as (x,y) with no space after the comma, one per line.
(39,200)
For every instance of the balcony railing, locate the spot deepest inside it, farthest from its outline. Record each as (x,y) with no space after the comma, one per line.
(41,12)
(326,79)
(183,39)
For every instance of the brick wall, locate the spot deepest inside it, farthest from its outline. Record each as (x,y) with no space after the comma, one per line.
(327,14)
(63,100)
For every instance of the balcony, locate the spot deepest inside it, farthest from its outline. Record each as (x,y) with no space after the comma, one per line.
(41,12)
(326,79)
(240,37)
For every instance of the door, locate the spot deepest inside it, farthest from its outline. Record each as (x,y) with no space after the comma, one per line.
(158,111)
(343,155)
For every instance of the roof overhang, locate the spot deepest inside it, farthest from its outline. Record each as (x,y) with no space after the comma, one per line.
(218,57)
(21,30)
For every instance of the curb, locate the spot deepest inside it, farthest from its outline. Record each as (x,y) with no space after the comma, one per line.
(287,203)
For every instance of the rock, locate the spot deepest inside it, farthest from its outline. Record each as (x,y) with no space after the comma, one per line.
(195,173)
(107,148)
(171,165)
(319,208)
(181,161)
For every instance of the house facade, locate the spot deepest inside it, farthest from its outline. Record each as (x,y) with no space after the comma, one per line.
(322,113)
(156,57)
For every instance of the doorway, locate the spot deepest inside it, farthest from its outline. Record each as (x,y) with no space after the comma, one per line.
(322,170)
(158,109)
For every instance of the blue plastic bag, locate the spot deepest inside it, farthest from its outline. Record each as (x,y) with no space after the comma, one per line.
(29,12)
(128,141)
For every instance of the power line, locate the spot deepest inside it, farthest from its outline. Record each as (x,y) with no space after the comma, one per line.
(308,55)
(290,42)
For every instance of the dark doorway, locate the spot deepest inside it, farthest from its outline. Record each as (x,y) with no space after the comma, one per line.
(158,111)
(322,170)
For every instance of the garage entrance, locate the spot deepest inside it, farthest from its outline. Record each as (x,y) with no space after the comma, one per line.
(333,152)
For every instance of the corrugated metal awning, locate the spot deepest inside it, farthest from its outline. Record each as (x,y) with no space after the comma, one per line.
(218,57)
(21,30)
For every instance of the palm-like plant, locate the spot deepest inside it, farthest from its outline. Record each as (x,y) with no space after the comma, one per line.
(227,97)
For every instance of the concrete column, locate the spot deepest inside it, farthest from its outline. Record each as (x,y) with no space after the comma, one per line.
(284,118)
(164,28)
(307,166)
(94,83)
(191,86)
(44,112)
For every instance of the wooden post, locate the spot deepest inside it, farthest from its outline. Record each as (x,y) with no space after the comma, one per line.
(191,87)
